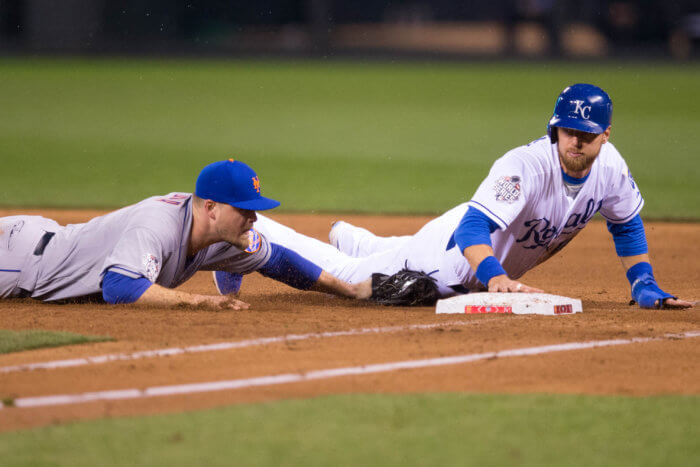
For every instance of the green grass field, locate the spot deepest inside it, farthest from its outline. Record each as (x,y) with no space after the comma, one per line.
(337,136)
(16,341)
(383,430)
(343,136)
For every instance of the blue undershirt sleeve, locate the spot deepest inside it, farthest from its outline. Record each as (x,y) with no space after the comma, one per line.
(118,288)
(475,228)
(291,268)
(629,238)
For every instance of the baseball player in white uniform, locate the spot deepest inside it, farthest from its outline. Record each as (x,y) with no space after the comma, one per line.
(138,254)
(535,199)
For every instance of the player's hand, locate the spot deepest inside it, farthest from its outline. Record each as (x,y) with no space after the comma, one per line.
(503,283)
(362,290)
(647,293)
(678,303)
(227,302)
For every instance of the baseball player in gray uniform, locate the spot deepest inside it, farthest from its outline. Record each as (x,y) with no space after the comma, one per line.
(139,253)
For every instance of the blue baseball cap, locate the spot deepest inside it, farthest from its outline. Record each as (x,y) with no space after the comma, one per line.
(232,182)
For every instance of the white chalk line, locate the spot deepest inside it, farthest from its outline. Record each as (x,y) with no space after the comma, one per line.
(195,388)
(74,362)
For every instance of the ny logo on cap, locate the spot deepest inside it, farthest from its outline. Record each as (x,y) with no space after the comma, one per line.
(256,183)
(584,111)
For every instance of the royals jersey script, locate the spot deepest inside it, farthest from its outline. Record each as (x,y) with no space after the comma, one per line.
(148,239)
(526,196)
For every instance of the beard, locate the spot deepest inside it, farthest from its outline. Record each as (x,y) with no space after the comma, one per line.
(578,164)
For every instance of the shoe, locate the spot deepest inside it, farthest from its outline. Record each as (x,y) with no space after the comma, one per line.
(227,282)
(334,234)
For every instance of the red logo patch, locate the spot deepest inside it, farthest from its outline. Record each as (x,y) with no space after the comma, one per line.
(474,309)
(563,309)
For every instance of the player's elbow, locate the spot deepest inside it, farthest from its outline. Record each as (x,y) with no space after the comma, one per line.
(118,288)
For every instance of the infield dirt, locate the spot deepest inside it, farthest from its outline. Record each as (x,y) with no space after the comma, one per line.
(588,269)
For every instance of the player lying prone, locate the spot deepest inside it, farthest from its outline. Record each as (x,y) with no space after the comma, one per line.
(534,201)
(140,253)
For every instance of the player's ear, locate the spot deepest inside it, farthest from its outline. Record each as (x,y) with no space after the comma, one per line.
(210,208)
(606,135)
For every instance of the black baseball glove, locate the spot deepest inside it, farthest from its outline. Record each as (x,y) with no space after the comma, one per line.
(405,288)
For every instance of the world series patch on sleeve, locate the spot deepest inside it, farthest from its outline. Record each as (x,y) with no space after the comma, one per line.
(509,303)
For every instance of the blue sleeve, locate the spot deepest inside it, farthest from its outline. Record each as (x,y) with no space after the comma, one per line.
(629,238)
(118,288)
(291,268)
(475,228)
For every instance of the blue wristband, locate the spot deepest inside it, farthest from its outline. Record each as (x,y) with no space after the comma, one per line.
(488,269)
(645,290)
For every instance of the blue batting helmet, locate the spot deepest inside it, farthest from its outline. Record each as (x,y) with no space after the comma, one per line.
(582,107)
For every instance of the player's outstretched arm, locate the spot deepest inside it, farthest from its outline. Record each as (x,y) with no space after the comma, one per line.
(645,290)
(631,247)
(473,236)
(158,296)
(291,268)
(490,272)
(328,283)
(118,288)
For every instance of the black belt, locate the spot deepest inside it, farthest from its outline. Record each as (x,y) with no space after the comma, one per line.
(43,241)
(459,288)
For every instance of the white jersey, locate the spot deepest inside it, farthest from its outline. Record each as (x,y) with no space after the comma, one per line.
(148,239)
(525,195)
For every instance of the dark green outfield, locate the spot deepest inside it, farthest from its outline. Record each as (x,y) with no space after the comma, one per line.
(334,136)
(383,430)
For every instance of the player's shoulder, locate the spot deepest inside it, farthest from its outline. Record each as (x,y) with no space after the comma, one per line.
(172,201)
(162,212)
(611,165)
(535,156)
(610,156)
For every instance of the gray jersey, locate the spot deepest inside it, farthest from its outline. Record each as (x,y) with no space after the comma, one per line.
(148,239)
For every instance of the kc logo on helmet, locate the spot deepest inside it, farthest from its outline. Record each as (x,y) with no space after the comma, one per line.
(583,110)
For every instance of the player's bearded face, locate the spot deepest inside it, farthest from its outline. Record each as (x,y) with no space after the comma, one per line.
(579,149)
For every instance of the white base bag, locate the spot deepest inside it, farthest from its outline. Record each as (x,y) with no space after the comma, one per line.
(510,303)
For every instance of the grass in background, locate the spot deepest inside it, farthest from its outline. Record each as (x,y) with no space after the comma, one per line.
(16,341)
(384,430)
(349,136)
